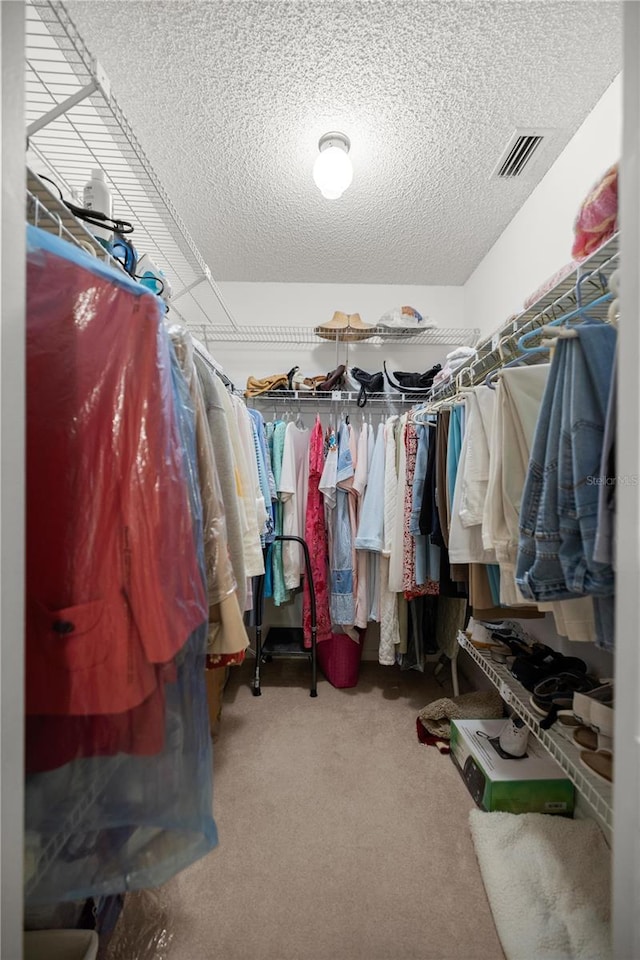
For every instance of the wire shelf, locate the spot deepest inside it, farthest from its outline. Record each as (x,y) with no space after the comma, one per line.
(434,336)
(46,211)
(95,133)
(494,351)
(597,794)
(336,396)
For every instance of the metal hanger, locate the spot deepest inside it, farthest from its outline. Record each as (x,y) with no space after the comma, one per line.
(555,326)
(555,329)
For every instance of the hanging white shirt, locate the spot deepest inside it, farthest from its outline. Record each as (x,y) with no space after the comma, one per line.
(465,542)
(293,491)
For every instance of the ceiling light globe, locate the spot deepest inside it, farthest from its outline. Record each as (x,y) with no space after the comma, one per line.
(332,170)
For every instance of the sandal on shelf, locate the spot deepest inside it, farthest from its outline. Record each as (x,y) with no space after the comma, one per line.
(588,739)
(599,763)
(568,718)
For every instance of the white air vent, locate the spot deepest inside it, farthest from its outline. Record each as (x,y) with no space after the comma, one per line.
(518,153)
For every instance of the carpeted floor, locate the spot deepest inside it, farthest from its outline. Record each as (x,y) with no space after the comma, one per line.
(342,837)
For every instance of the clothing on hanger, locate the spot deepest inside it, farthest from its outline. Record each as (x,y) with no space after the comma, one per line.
(316,537)
(115,685)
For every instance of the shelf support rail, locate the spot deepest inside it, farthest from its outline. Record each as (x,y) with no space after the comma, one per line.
(206,276)
(99,82)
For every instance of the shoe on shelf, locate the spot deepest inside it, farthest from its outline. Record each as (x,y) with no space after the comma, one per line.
(589,739)
(514,737)
(584,703)
(568,718)
(536,652)
(556,693)
(531,671)
(602,719)
(599,762)
(499,652)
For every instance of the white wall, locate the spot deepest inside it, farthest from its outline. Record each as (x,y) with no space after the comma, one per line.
(310,304)
(538,240)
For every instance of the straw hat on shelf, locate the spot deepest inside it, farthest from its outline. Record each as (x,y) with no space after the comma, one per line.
(346,327)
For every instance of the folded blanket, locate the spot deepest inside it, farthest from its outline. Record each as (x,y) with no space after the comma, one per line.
(480,705)
(548,883)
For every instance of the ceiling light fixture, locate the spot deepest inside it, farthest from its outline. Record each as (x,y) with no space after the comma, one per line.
(333,171)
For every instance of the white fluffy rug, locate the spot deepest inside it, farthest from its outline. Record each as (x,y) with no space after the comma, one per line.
(548,883)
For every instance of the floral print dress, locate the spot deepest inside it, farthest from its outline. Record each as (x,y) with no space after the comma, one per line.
(410,587)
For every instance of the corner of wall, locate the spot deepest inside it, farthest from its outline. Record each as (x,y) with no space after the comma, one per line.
(537,242)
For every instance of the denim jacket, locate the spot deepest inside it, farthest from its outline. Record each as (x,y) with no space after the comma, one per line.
(559,512)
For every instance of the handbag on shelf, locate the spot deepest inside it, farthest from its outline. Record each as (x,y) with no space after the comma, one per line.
(277,381)
(333,380)
(294,380)
(369,383)
(418,383)
(298,381)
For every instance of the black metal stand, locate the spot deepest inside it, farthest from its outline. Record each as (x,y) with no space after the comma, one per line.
(267,654)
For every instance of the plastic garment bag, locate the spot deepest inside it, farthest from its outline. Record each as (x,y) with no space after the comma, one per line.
(220,579)
(119,785)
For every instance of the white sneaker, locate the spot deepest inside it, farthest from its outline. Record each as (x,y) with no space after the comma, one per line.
(514,737)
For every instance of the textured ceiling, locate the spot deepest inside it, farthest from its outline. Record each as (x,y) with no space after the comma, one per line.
(228,99)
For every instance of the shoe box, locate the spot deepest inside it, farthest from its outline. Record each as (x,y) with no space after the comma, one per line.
(534,783)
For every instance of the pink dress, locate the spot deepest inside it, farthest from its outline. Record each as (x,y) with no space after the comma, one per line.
(316,536)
